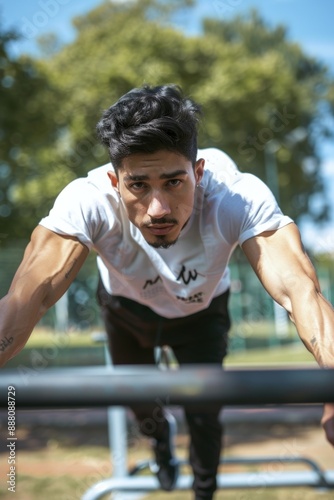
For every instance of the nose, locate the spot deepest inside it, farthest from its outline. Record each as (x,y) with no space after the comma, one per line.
(158,206)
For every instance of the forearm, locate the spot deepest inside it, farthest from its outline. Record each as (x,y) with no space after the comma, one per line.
(314,320)
(17,321)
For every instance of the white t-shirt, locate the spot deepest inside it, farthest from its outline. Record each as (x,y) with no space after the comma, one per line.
(230,207)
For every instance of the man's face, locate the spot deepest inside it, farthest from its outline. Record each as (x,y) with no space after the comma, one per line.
(158,193)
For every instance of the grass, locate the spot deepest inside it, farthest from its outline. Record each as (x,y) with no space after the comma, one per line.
(72,485)
(280,355)
(31,488)
(42,338)
(64,472)
(240,332)
(293,353)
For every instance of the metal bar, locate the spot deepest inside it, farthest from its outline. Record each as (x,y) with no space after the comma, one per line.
(82,388)
(224,481)
(145,464)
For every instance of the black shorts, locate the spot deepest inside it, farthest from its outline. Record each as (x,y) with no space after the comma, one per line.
(134,330)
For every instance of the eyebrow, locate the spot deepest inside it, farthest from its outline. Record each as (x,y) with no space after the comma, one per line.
(145,177)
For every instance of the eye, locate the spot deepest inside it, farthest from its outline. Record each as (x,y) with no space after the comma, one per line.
(137,186)
(174,182)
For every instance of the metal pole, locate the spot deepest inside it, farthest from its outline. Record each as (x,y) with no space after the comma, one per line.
(61,313)
(117,431)
(280,314)
(82,388)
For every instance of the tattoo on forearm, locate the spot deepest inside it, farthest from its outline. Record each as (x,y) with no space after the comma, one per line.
(67,275)
(316,351)
(5,342)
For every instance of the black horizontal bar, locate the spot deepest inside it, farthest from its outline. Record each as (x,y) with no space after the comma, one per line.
(96,387)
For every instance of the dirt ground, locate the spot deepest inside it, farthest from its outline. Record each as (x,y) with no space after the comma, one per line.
(61,454)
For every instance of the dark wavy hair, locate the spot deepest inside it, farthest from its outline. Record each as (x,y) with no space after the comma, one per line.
(149,119)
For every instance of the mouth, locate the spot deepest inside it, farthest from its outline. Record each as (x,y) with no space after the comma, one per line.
(160,229)
(162,226)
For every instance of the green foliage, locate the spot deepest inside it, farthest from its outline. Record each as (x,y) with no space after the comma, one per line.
(26,131)
(256,87)
(269,90)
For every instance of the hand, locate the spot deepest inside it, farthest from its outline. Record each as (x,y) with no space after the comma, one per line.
(327,421)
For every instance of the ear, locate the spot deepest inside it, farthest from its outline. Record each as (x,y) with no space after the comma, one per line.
(199,170)
(114,180)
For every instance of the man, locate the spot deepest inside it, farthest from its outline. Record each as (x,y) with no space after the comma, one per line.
(164,219)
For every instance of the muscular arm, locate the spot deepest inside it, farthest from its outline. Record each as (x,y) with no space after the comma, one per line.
(49,265)
(288,275)
(286,272)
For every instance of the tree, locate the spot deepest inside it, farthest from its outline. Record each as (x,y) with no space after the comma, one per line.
(272,98)
(25,131)
(259,93)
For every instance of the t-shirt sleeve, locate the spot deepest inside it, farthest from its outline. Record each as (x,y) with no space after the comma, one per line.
(250,209)
(78,211)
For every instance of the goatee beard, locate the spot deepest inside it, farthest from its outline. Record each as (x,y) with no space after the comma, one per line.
(162,243)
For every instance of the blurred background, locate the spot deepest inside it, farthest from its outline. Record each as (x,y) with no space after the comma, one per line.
(264,74)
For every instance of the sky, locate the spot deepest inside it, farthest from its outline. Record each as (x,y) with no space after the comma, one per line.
(308,22)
